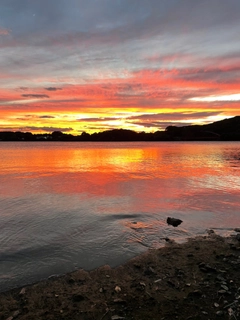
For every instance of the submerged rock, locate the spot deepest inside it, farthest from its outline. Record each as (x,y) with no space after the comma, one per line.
(174,222)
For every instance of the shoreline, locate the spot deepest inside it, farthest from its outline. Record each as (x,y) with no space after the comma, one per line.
(198,279)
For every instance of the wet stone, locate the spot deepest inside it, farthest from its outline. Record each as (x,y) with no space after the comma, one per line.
(224,287)
(23,291)
(222,291)
(116,317)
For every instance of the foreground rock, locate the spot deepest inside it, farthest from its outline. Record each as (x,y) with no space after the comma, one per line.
(174,222)
(196,280)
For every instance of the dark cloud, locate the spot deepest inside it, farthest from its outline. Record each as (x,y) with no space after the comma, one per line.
(35,96)
(115,21)
(162,120)
(35,129)
(173,116)
(28,117)
(52,89)
(46,117)
(44,129)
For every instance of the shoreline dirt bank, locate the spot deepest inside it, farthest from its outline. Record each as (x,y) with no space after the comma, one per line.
(199,279)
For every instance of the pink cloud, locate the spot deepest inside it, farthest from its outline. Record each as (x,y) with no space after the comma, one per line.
(4,32)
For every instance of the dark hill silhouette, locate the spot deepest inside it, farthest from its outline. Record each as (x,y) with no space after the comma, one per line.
(227,129)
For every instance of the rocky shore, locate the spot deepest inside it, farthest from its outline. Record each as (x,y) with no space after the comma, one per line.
(199,279)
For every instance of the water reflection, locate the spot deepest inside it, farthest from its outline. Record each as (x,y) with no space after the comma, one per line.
(67,205)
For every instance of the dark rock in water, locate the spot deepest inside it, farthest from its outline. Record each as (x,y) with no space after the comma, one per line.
(174,222)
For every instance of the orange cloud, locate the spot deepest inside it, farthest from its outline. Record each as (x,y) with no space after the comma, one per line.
(146,91)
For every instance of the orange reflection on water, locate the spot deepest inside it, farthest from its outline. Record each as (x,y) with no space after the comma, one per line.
(145,170)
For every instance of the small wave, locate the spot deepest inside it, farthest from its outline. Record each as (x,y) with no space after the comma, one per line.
(123,216)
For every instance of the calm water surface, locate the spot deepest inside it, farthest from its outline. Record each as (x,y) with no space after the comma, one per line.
(81,205)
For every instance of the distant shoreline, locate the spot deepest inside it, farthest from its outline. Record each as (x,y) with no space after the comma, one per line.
(224,130)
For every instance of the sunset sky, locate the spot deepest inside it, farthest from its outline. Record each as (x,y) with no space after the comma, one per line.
(77,65)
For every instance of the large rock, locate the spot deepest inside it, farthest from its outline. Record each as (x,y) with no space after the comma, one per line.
(174,222)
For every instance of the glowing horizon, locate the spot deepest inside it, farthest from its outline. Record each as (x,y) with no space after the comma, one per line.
(76,66)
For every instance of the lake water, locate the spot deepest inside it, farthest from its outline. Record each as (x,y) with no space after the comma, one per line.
(82,205)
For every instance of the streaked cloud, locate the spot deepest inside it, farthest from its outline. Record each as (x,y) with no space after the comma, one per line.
(44,129)
(35,96)
(52,89)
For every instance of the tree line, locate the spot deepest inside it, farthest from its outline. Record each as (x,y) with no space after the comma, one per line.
(224,130)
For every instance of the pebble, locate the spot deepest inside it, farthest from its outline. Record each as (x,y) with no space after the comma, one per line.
(216,305)
(118,289)
(222,291)
(230,312)
(222,271)
(220,313)
(23,291)
(142,284)
(120,301)
(53,276)
(224,287)
(116,317)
